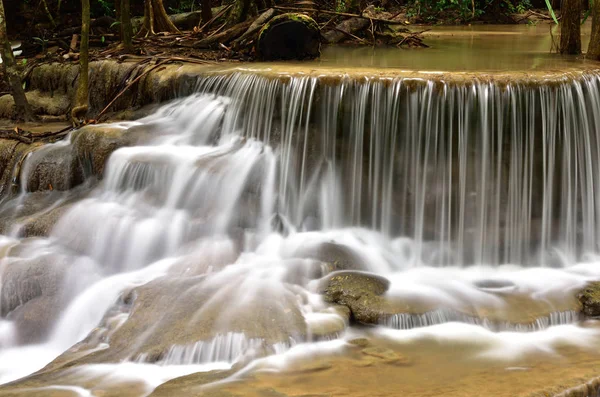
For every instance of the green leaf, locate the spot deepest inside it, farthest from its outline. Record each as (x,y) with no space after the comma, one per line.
(551,11)
(103,39)
(24,61)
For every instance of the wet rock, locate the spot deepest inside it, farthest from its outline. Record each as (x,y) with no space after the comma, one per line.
(590,300)
(329,324)
(51,167)
(35,214)
(360,292)
(41,225)
(93,145)
(335,256)
(181,311)
(12,155)
(31,294)
(301,271)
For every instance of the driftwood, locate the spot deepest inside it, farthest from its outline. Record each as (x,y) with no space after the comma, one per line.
(341,14)
(256,25)
(223,37)
(344,29)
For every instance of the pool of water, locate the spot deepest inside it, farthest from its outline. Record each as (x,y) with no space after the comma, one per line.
(465,48)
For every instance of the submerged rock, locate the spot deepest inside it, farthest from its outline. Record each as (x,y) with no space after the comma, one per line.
(590,300)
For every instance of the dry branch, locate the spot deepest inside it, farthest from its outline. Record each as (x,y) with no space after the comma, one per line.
(223,37)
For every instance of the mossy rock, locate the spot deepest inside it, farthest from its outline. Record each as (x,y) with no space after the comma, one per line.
(360,292)
(289,36)
(590,300)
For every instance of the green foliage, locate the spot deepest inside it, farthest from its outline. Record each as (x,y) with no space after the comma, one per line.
(464,10)
(101,8)
(181,6)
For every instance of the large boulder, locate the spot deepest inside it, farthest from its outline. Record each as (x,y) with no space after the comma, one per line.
(289,36)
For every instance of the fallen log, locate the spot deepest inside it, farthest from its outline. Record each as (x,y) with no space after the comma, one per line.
(256,25)
(344,29)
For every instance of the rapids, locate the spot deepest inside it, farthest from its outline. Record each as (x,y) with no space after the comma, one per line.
(203,245)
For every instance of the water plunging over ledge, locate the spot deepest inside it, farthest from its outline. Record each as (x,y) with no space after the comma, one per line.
(471,202)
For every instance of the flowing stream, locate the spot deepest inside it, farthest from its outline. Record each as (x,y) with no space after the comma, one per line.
(204,243)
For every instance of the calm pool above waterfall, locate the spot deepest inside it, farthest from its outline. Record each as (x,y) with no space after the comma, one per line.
(355,226)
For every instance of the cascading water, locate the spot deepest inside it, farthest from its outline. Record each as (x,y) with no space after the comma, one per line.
(203,244)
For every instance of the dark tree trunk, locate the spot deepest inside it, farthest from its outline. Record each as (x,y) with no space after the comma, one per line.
(594,47)
(126,27)
(156,19)
(239,12)
(82,96)
(570,29)
(205,11)
(11,73)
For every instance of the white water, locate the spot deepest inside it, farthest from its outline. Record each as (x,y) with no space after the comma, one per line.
(230,203)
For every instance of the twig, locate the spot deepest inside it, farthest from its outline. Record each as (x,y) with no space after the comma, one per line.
(213,19)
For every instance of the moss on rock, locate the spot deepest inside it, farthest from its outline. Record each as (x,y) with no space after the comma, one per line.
(360,292)
(590,300)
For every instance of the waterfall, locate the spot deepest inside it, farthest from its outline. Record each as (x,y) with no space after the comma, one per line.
(488,172)
(208,240)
